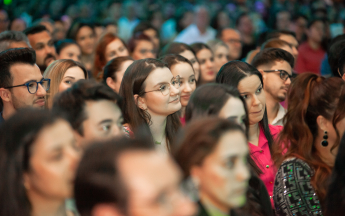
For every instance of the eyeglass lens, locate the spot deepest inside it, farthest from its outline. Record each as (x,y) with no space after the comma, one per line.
(33,86)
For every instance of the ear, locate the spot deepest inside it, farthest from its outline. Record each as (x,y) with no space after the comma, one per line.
(323,123)
(79,139)
(196,175)
(105,210)
(5,95)
(140,102)
(343,77)
(110,82)
(26,181)
(263,74)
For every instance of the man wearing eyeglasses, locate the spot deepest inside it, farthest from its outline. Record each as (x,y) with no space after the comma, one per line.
(21,82)
(275,66)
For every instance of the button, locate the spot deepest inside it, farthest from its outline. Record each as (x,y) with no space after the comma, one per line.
(267,166)
(260,151)
(271,182)
(271,197)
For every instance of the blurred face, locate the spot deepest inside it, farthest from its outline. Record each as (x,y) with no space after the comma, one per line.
(283,20)
(316,32)
(111,29)
(188,82)
(192,58)
(221,57)
(86,40)
(251,90)
(187,19)
(115,49)
(43,45)
(234,110)
(144,49)
(274,86)
(59,31)
(153,35)
(293,43)
(53,162)
(71,52)
(207,67)
(18,25)
(245,25)
(20,97)
(18,45)
(233,39)
(202,18)
(71,76)
(115,85)
(104,120)
(223,20)
(160,102)
(4,22)
(300,27)
(98,31)
(223,175)
(153,184)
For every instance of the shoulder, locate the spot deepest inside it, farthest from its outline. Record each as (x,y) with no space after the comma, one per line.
(303,46)
(275,129)
(297,163)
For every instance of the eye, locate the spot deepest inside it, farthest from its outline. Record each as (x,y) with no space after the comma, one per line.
(192,80)
(57,156)
(31,84)
(163,87)
(259,90)
(68,82)
(106,127)
(245,96)
(230,163)
(192,61)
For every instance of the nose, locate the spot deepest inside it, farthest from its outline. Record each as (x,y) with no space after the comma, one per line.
(242,172)
(116,130)
(210,64)
(150,55)
(187,88)
(256,101)
(288,81)
(74,157)
(295,51)
(174,91)
(41,91)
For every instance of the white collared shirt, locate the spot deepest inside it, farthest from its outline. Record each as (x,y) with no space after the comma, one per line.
(280,115)
(191,34)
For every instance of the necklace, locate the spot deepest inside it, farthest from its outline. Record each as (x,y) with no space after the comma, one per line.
(159,143)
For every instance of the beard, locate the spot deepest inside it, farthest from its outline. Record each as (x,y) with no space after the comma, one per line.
(44,66)
(17,104)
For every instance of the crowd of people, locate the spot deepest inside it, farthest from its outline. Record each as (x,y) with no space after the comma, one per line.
(209,109)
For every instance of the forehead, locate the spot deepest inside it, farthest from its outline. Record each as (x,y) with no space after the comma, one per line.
(102,109)
(187,54)
(71,47)
(237,146)
(40,37)
(222,49)
(115,43)
(282,65)
(18,44)
(158,75)
(144,43)
(22,73)
(204,53)
(84,30)
(75,72)
(233,105)
(288,38)
(182,69)
(249,84)
(231,34)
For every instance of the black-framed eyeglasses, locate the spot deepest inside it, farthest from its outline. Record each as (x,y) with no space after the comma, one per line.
(33,85)
(165,87)
(284,75)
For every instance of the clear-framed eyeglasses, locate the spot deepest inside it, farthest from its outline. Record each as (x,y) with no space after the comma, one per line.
(165,88)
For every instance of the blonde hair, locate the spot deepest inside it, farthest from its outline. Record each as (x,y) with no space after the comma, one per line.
(55,72)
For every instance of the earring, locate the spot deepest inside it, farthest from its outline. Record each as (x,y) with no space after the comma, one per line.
(324,142)
(195,182)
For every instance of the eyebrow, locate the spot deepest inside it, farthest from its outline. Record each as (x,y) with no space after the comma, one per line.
(105,121)
(248,92)
(32,80)
(69,77)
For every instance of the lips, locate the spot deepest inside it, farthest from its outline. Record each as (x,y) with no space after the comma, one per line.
(256,112)
(210,73)
(175,100)
(40,102)
(185,97)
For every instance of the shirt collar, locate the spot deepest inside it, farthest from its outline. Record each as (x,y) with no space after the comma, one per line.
(280,115)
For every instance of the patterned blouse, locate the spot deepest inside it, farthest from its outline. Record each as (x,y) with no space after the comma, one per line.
(293,193)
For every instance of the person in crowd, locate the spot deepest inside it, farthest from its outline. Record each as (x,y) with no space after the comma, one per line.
(182,67)
(341,64)
(43,44)
(127,177)
(13,39)
(283,20)
(277,43)
(205,58)
(232,39)
(109,47)
(110,26)
(333,54)
(114,71)
(21,82)
(221,53)
(249,82)
(220,20)
(244,25)
(84,34)
(63,74)
(287,36)
(185,51)
(38,162)
(311,52)
(141,47)
(18,24)
(99,30)
(68,49)
(275,65)
(46,22)
(151,99)
(59,30)
(129,21)
(200,31)
(299,26)
(218,168)
(92,109)
(315,122)
(149,30)
(4,21)
(334,201)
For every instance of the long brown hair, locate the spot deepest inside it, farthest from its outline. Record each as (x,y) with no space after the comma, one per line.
(310,96)
(132,84)
(55,73)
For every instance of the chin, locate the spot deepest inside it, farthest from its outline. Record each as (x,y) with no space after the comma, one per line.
(237,202)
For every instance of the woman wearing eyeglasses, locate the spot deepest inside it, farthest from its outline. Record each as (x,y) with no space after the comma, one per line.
(141,46)
(248,80)
(151,99)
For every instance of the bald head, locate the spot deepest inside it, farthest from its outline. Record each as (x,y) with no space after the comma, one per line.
(232,38)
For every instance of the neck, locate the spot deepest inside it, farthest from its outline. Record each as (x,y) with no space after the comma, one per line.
(253,134)
(183,112)
(326,156)
(202,29)
(7,111)
(158,127)
(42,206)
(208,203)
(272,107)
(314,45)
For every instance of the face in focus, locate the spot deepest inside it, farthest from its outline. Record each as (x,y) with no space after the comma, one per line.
(234,110)
(188,82)
(207,67)
(155,102)
(104,120)
(115,49)
(293,43)
(274,86)
(153,183)
(115,85)
(86,40)
(192,58)
(221,57)
(144,49)
(71,52)
(316,32)
(251,90)
(223,175)
(53,163)
(20,96)
(71,76)
(43,44)
(233,39)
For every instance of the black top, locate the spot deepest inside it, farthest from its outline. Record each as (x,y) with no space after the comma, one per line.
(293,193)
(1,118)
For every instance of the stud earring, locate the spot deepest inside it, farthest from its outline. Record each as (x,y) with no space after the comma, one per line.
(324,142)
